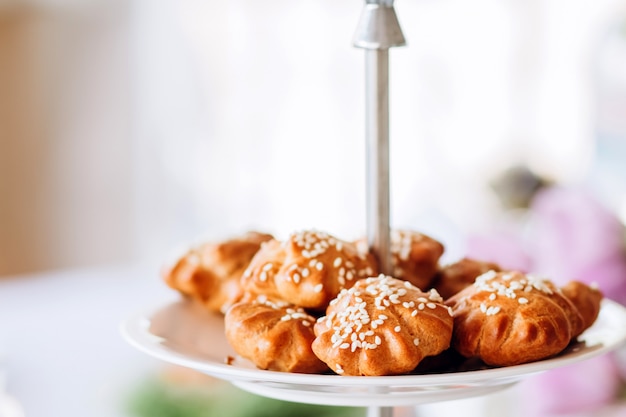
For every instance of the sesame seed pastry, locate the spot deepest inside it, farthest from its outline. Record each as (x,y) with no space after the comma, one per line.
(273,335)
(454,277)
(210,273)
(587,299)
(509,318)
(308,269)
(414,256)
(382,326)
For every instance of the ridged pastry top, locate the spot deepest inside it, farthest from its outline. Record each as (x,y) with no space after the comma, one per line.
(209,273)
(308,269)
(415,257)
(508,318)
(273,335)
(454,277)
(382,326)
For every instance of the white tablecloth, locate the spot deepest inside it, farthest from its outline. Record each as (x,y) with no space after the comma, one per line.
(61,353)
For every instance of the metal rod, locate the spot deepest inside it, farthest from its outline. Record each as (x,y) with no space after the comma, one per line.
(380,411)
(377,151)
(377,31)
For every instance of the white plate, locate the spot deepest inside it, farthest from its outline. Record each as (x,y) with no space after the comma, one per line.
(182,334)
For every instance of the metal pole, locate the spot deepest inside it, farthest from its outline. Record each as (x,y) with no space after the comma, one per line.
(377,31)
(380,412)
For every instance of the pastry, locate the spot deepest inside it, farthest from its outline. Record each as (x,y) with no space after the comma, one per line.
(273,335)
(587,299)
(308,269)
(509,318)
(454,277)
(414,256)
(210,273)
(382,326)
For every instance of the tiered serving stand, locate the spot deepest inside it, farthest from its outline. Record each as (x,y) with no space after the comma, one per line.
(182,334)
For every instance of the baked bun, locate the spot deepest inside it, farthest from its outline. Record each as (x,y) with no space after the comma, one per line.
(454,277)
(308,269)
(210,272)
(382,326)
(273,335)
(414,256)
(509,318)
(586,299)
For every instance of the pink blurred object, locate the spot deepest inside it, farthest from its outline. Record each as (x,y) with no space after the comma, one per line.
(586,386)
(571,236)
(505,249)
(568,236)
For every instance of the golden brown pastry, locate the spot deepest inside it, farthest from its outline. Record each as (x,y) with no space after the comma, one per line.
(452,278)
(210,273)
(273,335)
(509,318)
(586,299)
(414,256)
(382,326)
(308,269)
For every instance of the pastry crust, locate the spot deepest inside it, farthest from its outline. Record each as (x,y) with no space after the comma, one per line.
(210,273)
(414,256)
(382,326)
(587,300)
(273,335)
(308,269)
(509,318)
(452,278)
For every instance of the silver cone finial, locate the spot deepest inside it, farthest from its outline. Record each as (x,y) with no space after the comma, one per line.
(378,26)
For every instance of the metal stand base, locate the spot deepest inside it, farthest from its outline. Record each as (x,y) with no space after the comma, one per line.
(380,412)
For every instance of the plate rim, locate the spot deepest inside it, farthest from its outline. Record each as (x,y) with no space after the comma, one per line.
(135,330)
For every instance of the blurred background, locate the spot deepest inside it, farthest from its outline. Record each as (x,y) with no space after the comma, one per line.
(129,129)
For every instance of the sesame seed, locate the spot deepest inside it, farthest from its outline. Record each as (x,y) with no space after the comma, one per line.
(305,272)
(319,266)
(263,276)
(522,300)
(318,288)
(268,266)
(416,341)
(337,262)
(296,278)
(397,329)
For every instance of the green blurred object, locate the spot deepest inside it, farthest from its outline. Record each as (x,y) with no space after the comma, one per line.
(156,398)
